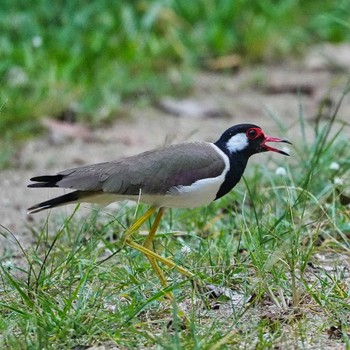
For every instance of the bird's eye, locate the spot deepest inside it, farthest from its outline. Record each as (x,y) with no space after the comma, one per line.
(252,134)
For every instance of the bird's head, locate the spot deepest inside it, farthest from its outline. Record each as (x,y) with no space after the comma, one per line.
(248,139)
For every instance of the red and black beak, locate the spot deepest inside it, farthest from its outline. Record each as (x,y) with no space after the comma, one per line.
(265,148)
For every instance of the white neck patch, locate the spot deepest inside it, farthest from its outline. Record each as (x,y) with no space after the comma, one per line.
(237,142)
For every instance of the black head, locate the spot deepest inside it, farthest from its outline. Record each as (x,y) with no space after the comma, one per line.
(247,139)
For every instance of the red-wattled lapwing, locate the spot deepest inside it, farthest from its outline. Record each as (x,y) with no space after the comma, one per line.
(185,175)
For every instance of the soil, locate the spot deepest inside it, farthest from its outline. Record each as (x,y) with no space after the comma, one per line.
(272,97)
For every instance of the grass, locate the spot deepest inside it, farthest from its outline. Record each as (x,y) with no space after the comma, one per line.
(86,58)
(277,247)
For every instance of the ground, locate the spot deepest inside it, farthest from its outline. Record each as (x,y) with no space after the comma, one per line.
(269,96)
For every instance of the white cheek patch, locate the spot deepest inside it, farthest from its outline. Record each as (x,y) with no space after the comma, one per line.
(237,142)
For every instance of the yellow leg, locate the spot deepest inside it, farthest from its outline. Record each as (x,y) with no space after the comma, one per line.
(158,257)
(151,255)
(149,239)
(148,244)
(145,248)
(138,223)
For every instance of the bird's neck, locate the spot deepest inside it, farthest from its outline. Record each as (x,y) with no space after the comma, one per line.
(238,163)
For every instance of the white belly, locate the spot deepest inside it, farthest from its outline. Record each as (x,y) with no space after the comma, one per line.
(200,193)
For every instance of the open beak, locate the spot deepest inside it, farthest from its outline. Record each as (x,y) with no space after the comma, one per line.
(264,147)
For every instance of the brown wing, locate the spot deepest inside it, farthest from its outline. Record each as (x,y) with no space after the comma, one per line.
(152,172)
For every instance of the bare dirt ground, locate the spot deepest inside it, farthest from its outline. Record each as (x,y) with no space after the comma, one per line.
(259,95)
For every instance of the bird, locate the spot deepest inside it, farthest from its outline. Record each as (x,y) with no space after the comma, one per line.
(184,175)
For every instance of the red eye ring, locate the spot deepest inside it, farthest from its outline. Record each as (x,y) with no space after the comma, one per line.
(252,134)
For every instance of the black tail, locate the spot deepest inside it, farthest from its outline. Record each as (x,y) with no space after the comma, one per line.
(72,197)
(46,181)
